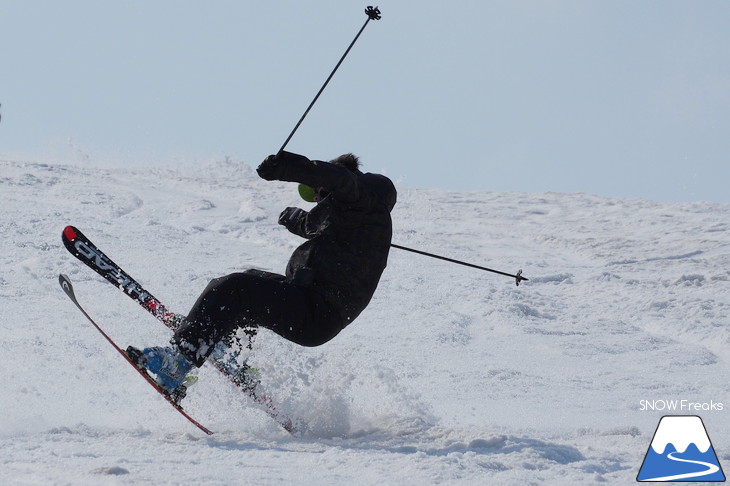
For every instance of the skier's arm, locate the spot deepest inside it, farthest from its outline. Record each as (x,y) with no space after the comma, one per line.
(338,181)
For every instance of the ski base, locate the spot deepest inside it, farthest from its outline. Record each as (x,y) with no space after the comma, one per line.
(65,283)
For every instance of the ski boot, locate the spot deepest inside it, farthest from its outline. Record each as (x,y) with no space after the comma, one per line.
(170,367)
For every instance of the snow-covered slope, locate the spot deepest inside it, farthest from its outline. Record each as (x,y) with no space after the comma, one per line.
(451,376)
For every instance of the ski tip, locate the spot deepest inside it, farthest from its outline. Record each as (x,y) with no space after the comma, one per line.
(70,233)
(65,283)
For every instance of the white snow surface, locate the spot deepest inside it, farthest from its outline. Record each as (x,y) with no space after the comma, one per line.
(452,375)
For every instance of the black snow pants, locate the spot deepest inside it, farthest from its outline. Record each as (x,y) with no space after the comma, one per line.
(257,299)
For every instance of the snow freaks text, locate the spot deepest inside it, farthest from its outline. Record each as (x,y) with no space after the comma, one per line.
(680,406)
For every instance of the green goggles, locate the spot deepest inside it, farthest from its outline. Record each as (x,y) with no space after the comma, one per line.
(308,193)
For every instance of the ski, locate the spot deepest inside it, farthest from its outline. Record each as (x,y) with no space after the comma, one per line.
(65,283)
(82,248)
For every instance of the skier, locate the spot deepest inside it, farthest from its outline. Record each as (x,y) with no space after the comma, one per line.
(329,279)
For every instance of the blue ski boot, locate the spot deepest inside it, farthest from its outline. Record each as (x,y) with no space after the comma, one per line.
(170,366)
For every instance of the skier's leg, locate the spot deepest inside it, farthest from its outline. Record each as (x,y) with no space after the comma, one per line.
(258,299)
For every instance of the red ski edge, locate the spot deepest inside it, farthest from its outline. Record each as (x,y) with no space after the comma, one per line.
(65,283)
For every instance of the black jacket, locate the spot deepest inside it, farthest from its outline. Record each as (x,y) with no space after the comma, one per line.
(348,232)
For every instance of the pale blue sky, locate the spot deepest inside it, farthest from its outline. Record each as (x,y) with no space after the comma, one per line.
(617,98)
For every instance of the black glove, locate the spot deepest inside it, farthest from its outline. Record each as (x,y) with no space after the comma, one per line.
(270,168)
(290,217)
(274,166)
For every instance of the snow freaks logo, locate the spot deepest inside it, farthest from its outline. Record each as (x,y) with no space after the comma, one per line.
(681,451)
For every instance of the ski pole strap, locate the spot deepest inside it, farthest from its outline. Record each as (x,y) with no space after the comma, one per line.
(518,276)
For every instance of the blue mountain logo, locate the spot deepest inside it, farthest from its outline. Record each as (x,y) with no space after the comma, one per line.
(681,451)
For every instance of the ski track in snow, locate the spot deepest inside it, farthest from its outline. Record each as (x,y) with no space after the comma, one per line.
(451,376)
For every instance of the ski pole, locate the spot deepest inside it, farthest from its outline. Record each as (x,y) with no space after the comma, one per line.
(518,276)
(373,14)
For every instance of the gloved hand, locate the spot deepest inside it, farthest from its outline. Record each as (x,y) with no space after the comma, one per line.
(274,166)
(290,217)
(270,168)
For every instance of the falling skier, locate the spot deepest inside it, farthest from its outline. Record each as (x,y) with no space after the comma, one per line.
(329,279)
